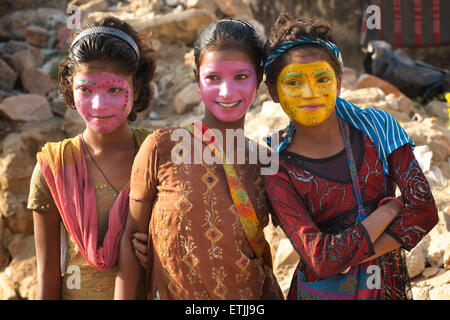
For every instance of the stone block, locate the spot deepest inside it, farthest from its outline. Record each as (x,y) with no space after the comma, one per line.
(26,107)
(36,81)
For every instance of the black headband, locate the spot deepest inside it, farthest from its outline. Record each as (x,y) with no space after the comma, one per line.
(110,31)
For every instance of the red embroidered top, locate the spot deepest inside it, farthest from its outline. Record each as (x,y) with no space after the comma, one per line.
(315,204)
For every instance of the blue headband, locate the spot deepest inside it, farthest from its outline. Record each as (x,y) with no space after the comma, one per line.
(109,31)
(303,40)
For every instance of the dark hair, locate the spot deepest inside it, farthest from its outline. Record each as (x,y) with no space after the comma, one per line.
(104,47)
(289,29)
(231,33)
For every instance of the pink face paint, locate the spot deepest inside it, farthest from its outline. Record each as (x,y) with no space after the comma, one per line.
(228,87)
(102,99)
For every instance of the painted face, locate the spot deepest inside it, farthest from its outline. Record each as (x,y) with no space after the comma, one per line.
(307,92)
(104,100)
(228,82)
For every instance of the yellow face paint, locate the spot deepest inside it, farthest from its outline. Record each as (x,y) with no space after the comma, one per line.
(307,92)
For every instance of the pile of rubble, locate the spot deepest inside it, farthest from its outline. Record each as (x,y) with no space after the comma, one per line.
(32,42)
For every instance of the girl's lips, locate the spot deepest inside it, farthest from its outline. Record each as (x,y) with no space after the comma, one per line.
(102,117)
(312,106)
(228,104)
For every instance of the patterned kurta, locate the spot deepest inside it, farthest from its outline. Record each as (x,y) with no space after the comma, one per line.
(198,246)
(316,207)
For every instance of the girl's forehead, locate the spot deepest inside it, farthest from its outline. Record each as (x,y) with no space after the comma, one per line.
(222,56)
(318,65)
(100,80)
(304,55)
(97,67)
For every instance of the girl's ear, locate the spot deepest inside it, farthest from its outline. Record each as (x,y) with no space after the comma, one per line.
(339,82)
(273,91)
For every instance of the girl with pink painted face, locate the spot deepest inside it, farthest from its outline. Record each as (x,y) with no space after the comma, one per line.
(79,188)
(204,219)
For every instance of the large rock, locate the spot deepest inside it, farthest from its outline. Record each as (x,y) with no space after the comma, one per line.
(8,76)
(437,249)
(182,26)
(429,132)
(440,293)
(187,98)
(370,81)
(13,46)
(15,23)
(438,109)
(26,59)
(21,272)
(144,7)
(285,253)
(399,106)
(209,5)
(17,161)
(36,81)
(416,260)
(36,36)
(7,291)
(267,118)
(420,293)
(73,122)
(26,107)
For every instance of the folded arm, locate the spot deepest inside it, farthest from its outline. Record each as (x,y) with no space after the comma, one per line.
(325,254)
(419,214)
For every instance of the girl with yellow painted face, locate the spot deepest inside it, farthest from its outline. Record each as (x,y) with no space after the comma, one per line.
(334,193)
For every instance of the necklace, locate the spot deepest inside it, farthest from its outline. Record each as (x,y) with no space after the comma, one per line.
(98,167)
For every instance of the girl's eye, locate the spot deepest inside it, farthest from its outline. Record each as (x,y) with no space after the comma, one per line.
(241,77)
(84,89)
(115,90)
(292,82)
(212,78)
(323,80)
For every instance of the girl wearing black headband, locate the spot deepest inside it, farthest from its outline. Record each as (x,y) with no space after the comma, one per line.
(80,185)
(205,243)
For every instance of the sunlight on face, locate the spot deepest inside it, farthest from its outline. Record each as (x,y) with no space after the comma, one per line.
(307,92)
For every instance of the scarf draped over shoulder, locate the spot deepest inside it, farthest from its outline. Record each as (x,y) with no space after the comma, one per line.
(382,128)
(64,168)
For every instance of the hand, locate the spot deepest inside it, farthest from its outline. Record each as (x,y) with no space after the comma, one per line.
(380,219)
(140,247)
(393,206)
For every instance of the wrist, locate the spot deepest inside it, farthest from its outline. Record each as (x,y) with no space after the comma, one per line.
(389,199)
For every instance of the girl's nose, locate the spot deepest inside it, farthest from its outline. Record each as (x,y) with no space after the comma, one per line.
(98,101)
(226,88)
(310,90)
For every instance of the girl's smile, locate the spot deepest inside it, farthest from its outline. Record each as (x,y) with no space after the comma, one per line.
(227,82)
(307,91)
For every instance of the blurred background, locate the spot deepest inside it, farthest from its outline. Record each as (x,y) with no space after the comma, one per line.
(396,56)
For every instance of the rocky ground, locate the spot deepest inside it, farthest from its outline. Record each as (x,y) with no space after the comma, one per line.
(32,42)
